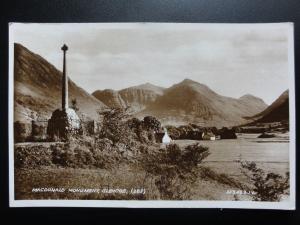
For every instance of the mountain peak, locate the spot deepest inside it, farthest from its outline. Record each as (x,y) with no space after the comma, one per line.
(248,96)
(187,80)
(194,85)
(145,85)
(149,87)
(251,98)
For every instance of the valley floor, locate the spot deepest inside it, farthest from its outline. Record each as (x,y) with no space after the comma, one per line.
(219,174)
(27,180)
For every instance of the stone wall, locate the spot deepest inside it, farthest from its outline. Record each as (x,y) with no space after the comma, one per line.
(22,131)
(37,130)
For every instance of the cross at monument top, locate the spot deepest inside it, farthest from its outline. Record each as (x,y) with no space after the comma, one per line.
(64,47)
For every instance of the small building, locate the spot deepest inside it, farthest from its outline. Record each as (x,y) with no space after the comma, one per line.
(162,136)
(208,136)
(166,138)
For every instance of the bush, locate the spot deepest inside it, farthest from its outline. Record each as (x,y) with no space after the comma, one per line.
(114,126)
(78,154)
(144,131)
(194,154)
(32,156)
(21,131)
(226,133)
(174,170)
(151,123)
(267,186)
(191,132)
(63,155)
(265,135)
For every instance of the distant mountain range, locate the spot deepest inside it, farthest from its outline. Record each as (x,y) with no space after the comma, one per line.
(37,93)
(185,102)
(37,88)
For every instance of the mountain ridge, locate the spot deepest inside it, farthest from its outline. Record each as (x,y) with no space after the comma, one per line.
(190,101)
(38,91)
(37,88)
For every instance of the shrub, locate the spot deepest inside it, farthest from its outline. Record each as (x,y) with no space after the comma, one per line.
(114,126)
(226,133)
(191,132)
(32,156)
(73,154)
(134,123)
(267,186)
(74,104)
(21,131)
(194,154)
(172,155)
(151,123)
(265,135)
(63,155)
(174,170)
(222,178)
(144,131)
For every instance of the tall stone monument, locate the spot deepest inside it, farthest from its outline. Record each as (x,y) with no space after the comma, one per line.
(64,122)
(64,101)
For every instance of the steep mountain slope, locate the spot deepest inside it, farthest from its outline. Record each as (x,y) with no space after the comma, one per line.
(255,104)
(149,87)
(136,97)
(37,88)
(276,112)
(110,98)
(192,102)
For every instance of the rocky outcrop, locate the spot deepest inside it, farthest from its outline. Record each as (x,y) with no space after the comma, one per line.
(110,98)
(136,98)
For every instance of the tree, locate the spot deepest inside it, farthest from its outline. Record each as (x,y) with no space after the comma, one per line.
(152,123)
(114,126)
(267,186)
(74,104)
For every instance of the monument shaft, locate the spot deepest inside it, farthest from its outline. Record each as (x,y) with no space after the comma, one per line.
(65,103)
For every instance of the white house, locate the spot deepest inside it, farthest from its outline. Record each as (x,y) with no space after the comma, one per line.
(208,136)
(166,138)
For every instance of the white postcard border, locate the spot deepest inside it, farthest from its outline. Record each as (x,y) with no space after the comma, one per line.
(287,205)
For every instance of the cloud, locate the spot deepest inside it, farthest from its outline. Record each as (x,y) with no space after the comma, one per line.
(231,59)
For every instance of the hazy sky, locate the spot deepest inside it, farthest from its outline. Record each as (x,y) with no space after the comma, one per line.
(233,60)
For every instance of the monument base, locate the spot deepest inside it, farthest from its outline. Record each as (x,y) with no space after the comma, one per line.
(62,124)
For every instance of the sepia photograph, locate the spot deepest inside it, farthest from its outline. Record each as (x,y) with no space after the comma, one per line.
(152,115)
